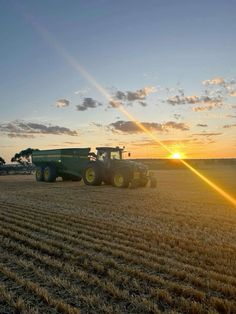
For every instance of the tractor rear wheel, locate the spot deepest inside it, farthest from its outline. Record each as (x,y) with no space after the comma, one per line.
(39,174)
(92,175)
(50,174)
(120,179)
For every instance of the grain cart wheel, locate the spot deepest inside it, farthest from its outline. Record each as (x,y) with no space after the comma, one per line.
(92,175)
(153,182)
(50,174)
(120,179)
(39,174)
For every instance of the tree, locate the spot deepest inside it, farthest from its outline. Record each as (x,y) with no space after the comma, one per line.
(24,156)
(2,161)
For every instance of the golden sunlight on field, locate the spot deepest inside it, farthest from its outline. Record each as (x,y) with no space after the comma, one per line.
(70,248)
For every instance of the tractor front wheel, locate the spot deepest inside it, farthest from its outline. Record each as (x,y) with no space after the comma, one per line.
(120,179)
(92,175)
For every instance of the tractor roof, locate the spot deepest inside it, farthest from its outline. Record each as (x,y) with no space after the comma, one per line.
(109,148)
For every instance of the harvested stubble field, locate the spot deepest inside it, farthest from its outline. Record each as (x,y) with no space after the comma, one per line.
(70,248)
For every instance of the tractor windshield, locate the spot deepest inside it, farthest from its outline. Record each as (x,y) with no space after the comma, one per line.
(115,155)
(102,156)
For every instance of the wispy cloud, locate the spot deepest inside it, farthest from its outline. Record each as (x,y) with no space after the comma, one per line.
(82,92)
(132,128)
(24,129)
(230,116)
(207,134)
(208,102)
(177,116)
(229,126)
(233,93)
(202,125)
(62,103)
(214,81)
(206,107)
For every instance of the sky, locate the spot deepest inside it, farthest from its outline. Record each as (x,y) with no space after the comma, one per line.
(170,64)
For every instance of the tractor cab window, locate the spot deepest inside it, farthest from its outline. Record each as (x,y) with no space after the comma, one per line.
(102,156)
(115,155)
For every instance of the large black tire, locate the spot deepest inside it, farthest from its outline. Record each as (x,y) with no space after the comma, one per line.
(120,179)
(39,175)
(50,174)
(92,175)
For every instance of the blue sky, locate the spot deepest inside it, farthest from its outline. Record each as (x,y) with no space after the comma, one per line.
(125,46)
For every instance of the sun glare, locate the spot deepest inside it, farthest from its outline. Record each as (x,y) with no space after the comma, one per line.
(176,155)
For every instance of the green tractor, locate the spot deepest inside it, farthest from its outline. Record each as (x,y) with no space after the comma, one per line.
(108,166)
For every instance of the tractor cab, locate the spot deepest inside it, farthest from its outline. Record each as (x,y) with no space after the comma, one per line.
(105,154)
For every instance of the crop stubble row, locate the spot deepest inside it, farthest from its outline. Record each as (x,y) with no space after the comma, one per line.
(92,236)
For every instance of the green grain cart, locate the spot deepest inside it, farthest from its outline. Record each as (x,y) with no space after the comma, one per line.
(67,163)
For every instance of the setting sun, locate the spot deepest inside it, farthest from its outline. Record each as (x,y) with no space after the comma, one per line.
(176,155)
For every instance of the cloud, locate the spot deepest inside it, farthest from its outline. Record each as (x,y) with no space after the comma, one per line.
(206,107)
(209,102)
(13,135)
(207,134)
(140,94)
(132,128)
(232,93)
(214,81)
(82,92)
(230,116)
(30,129)
(175,125)
(229,126)
(62,103)
(114,103)
(143,103)
(202,125)
(120,95)
(87,103)
(177,116)
(129,97)
(181,100)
